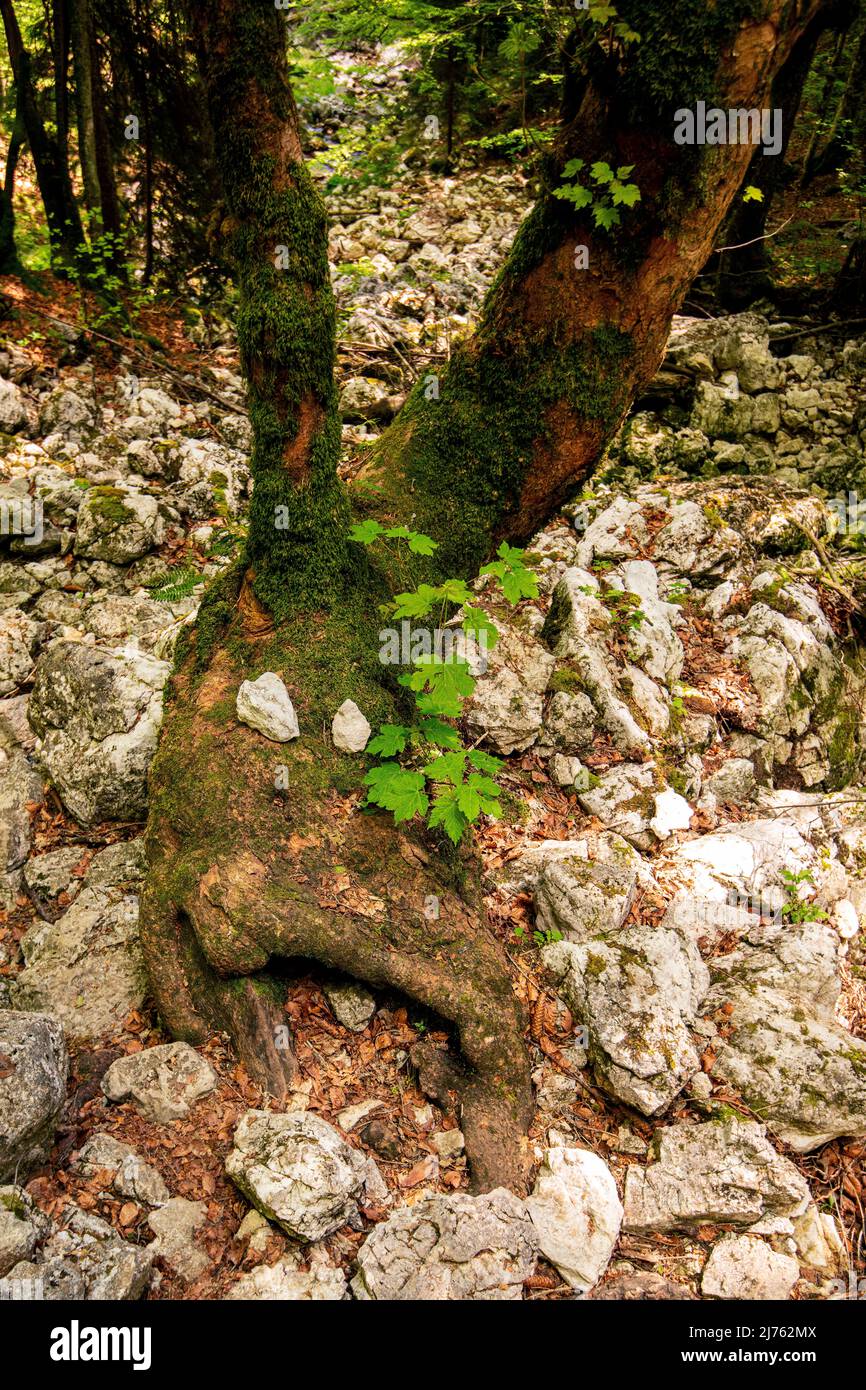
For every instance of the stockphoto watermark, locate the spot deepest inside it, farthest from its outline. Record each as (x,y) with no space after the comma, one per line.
(850,514)
(14,1289)
(737,126)
(407,645)
(77,1343)
(22,516)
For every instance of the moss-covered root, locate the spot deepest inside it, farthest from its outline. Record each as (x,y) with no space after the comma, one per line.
(207,930)
(195,1001)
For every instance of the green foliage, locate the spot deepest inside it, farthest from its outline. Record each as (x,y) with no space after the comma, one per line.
(625,608)
(178,584)
(795,909)
(447,785)
(542,936)
(611,193)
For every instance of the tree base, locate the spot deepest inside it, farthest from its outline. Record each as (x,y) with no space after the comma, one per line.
(242,875)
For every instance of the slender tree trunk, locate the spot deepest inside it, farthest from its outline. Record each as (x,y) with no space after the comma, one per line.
(240,876)
(9,263)
(61,41)
(82,50)
(823,100)
(744,271)
(849,111)
(142,85)
(52,171)
(108,200)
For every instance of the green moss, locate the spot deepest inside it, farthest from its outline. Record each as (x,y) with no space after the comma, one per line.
(466,456)
(566,679)
(275,233)
(107,503)
(11,1201)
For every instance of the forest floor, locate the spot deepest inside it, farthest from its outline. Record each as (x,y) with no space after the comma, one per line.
(340,1067)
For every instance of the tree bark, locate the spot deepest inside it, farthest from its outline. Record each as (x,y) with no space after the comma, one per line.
(94,150)
(241,875)
(82,52)
(9,262)
(530,402)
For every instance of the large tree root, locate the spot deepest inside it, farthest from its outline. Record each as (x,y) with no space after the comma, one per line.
(240,877)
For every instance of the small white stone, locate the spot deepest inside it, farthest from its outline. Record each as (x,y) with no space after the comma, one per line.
(352,1116)
(673,812)
(265,705)
(846,919)
(448,1143)
(349,729)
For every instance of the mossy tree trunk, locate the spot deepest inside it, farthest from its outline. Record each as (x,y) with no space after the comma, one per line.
(529,403)
(242,872)
(9,262)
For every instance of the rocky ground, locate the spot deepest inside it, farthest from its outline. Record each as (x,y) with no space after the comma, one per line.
(679,880)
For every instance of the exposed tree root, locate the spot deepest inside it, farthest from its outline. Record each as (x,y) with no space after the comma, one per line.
(241,876)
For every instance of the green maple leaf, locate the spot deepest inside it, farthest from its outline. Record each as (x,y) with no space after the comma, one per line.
(601,171)
(605,216)
(365,532)
(485,762)
(626,193)
(449,684)
(469,801)
(436,731)
(446,812)
(516,579)
(420,544)
(455,591)
(475,622)
(574,193)
(396,789)
(417,604)
(483,785)
(448,767)
(573,167)
(390,740)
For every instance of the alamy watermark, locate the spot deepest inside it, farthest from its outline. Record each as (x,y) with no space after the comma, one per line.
(408,646)
(22,516)
(737,126)
(850,513)
(17,1290)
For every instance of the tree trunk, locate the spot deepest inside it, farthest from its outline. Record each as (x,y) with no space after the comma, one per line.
(82,52)
(52,172)
(849,112)
(529,403)
(61,37)
(9,262)
(241,875)
(744,271)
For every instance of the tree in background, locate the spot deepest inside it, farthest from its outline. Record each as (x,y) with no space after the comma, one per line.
(50,157)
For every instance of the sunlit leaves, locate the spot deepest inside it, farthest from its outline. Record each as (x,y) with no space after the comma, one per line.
(398,790)
(517,580)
